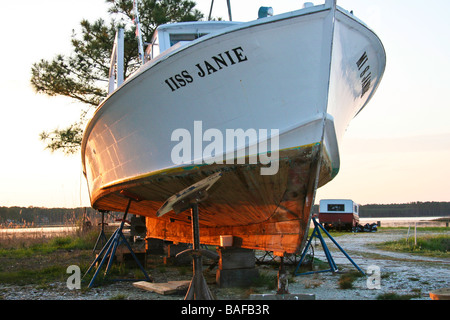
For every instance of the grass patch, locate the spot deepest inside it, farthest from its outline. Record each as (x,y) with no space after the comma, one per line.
(396,296)
(24,249)
(346,280)
(119,296)
(419,228)
(45,260)
(27,276)
(333,233)
(266,281)
(438,246)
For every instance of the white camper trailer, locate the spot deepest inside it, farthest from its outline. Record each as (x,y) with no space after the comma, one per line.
(338,214)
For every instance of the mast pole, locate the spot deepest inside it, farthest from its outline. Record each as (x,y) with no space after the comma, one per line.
(138,32)
(229,9)
(210,10)
(228,6)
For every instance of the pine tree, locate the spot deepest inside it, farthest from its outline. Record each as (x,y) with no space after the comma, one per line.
(83,76)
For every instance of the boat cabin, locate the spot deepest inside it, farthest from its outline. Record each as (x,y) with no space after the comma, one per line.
(169,35)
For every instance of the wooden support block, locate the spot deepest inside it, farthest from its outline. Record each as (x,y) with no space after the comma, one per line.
(440,294)
(154,246)
(123,255)
(236,267)
(164,288)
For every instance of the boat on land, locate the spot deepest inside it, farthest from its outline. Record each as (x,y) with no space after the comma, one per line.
(283,89)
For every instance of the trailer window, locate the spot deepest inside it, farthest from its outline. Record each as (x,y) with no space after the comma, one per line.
(336,207)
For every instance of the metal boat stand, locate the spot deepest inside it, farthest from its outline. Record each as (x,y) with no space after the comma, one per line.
(282,279)
(317,234)
(198,289)
(101,236)
(189,199)
(109,250)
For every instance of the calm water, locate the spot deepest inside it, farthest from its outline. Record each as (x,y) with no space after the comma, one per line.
(405,222)
(36,232)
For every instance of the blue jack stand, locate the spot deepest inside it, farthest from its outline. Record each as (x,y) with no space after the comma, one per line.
(109,249)
(317,234)
(101,236)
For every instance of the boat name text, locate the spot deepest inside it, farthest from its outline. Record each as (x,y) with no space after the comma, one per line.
(206,68)
(365,75)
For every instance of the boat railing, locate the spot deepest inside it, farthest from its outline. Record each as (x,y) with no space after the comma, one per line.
(116,68)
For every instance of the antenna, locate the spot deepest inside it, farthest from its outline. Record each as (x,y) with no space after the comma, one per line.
(210,10)
(229,10)
(116,64)
(138,32)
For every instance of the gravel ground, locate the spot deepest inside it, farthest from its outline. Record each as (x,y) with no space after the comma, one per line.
(400,273)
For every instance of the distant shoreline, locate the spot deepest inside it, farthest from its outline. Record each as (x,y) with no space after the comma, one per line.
(384,222)
(437,221)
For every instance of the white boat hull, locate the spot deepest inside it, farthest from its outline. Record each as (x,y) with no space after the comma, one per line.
(298,73)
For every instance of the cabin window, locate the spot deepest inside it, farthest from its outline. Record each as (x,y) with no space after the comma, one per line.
(335,207)
(356,209)
(175,38)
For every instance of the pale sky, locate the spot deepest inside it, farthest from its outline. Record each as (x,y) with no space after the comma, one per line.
(396,150)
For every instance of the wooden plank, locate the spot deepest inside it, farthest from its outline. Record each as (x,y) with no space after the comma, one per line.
(440,294)
(163,288)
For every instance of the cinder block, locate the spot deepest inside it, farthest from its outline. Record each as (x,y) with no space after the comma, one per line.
(155,246)
(236,258)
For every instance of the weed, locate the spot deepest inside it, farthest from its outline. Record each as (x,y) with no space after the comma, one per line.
(24,250)
(313,284)
(429,245)
(417,291)
(346,280)
(119,296)
(265,280)
(182,270)
(396,296)
(40,276)
(162,269)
